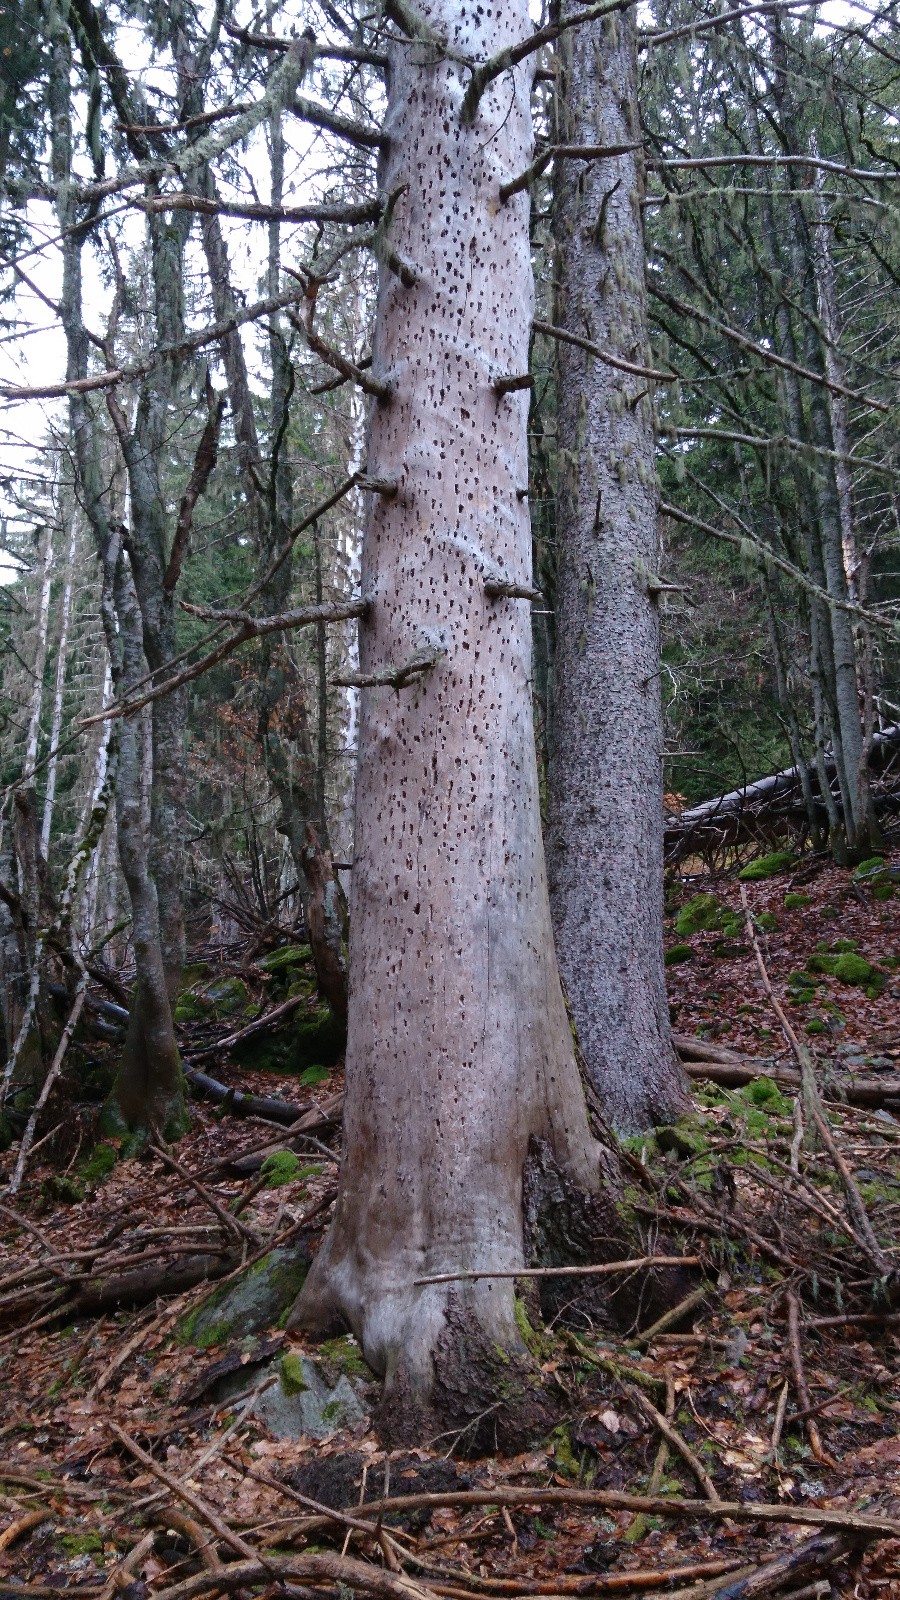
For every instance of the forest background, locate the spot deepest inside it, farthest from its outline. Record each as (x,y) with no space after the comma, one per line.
(194,220)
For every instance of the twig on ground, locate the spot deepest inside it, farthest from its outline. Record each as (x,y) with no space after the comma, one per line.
(599,1271)
(21,1526)
(670,1432)
(230,1223)
(800,1384)
(692,1302)
(863,1231)
(872,1525)
(125,1568)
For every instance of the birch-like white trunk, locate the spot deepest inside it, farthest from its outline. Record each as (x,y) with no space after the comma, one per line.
(59,685)
(459,1050)
(40,658)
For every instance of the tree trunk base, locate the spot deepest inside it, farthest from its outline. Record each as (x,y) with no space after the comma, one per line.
(484,1397)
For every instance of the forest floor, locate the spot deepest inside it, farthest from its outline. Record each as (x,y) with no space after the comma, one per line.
(752,1448)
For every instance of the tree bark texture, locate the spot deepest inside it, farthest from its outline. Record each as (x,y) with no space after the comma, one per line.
(148,1093)
(605,837)
(459,1052)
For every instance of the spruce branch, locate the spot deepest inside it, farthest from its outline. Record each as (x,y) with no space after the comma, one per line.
(366,211)
(563,335)
(769,356)
(510,382)
(505,60)
(562,152)
(767,557)
(397,678)
(332,122)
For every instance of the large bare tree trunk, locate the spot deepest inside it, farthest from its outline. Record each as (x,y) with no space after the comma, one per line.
(459,1054)
(605,838)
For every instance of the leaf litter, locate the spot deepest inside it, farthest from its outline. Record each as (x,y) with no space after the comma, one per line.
(125,1471)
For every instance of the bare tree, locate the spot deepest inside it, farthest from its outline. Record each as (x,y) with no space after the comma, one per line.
(463,1094)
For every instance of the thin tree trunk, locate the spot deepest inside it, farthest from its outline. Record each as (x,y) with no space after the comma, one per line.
(148,1094)
(150,1070)
(33,735)
(290,760)
(605,836)
(60,684)
(459,1053)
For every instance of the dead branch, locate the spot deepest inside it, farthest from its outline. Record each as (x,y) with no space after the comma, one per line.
(599,1271)
(863,1231)
(505,60)
(204,465)
(237,1229)
(550,331)
(416,665)
(800,1384)
(52,1075)
(376,387)
(670,1433)
(868,1525)
(562,152)
(816,1555)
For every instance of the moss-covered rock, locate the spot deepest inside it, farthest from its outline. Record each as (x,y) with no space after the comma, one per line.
(815,1025)
(225,997)
(293,1377)
(256,1300)
(98,1165)
(342,1357)
(767,866)
(313,1038)
(684,1138)
(287,958)
(703,914)
(281,1167)
(766,921)
(846,966)
(765,1094)
(797,902)
(678,952)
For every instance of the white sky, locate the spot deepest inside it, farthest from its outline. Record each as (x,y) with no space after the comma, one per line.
(37,355)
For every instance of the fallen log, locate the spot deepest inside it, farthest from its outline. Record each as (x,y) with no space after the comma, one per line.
(319,1120)
(765,791)
(873,1092)
(271,1108)
(733,1070)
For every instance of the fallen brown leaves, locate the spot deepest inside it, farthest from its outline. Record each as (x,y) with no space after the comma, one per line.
(121,1474)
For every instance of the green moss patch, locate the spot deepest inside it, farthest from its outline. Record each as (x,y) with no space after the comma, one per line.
(249,1304)
(290,955)
(767,866)
(293,1378)
(765,1094)
(847,967)
(703,914)
(281,1167)
(678,952)
(797,902)
(98,1165)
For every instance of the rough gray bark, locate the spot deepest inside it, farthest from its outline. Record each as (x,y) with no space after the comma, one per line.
(459,1052)
(605,834)
(148,1093)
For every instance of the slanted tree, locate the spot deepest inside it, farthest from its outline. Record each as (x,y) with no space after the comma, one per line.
(605,834)
(466,1134)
